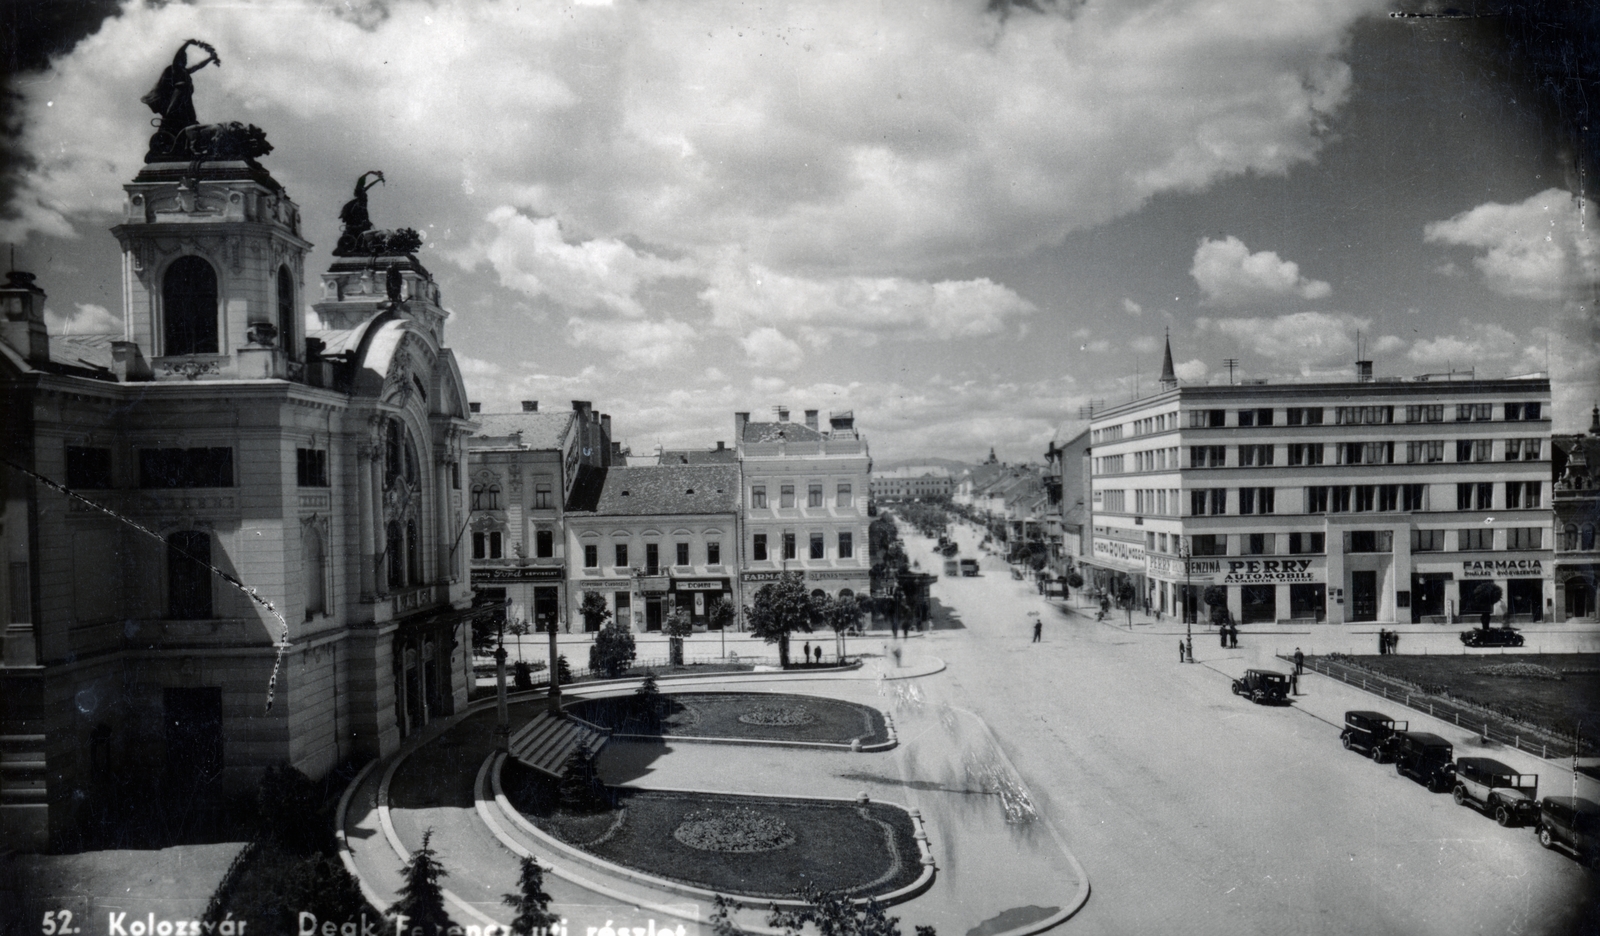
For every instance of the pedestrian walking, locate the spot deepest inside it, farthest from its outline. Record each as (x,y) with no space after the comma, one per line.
(819,654)
(1394,641)
(1038,629)
(805,655)
(1222,633)
(1383,642)
(1299,662)
(1182,655)
(1233,635)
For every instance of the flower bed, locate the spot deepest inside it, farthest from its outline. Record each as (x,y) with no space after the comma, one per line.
(757,716)
(746,845)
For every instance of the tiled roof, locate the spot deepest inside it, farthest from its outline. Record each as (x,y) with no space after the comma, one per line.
(539,430)
(93,351)
(722,456)
(773,431)
(670,489)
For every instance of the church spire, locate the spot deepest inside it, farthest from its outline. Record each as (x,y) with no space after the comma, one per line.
(1169,378)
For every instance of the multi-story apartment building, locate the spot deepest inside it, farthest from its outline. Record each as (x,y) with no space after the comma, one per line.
(657,537)
(1375,500)
(805,502)
(1577,515)
(526,469)
(213,442)
(911,483)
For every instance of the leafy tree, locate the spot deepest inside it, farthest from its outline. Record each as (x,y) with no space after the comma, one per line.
(841,613)
(1216,598)
(781,608)
(723,613)
(531,902)
(486,632)
(1488,594)
(421,897)
(522,675)
(833,914)
(612,651)
(678,625)
(1125,594)
(595,612)
(519,628)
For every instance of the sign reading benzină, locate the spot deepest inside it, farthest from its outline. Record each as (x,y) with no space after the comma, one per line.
(1265,571)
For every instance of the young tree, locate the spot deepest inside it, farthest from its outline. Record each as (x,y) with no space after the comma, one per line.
(723,613)
(531,902)
(519,628)
(781,608)
(842,613)
(1216,598)
(580,786)
(421,897)
(678,625)
(612,651)
(563,674)
(594,611)
(1125,594)
(647,701)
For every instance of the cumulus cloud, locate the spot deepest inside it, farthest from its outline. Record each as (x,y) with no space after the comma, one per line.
(1301,338)
(1131,307)
(89,319)
(1481,343)
(1146,344)
(636,342)
(1540,248)
(833,135)
(532,256)
(1230,275)
(770,349)
(1191,371)
(751,295)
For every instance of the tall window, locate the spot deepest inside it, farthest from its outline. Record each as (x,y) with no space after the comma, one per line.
(844,496)
(311,467)
(846,546)
(786,495)
(1388,496)
(683,553)
(189,575)
(652,559)
(814,495)
(713,553)
(1316,500)
(818,549)
(189,308)
(286,329)
(88,468)
(544,544)
(541,496)
(1411,496)
(313,573)
(758,547)
(591,556)
(788,546)
(758,495)
(1339,499)
(621,555)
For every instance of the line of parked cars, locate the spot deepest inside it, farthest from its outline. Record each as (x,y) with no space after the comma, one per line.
(1569,823)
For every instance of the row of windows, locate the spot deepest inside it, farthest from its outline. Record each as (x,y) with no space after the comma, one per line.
(486,496)
(1574,538)
(1315,453)
(1346,498)
(818,546)
(489,544)
(652,555)
(1314,416)
(843,496)
(1471,539)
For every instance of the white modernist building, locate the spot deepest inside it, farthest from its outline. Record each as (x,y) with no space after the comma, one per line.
(1374,500)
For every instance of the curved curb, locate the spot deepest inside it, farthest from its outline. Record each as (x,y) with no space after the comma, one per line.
(493,764)
(346,855)
(1082,898)
(890,744)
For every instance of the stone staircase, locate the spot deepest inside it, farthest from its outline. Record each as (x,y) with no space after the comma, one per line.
(24,808)
(546,741)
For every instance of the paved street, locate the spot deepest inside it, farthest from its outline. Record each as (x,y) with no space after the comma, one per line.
(1192,809)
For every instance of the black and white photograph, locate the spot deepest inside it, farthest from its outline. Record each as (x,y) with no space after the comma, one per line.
(740,468)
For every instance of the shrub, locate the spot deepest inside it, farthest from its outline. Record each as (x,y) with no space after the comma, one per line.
(531,902)
(1074,580)
(522,675)
(612,652)
(647,700)
(580,788)
(563,670)
(834,915)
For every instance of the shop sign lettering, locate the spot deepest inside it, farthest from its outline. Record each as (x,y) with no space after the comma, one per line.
(1503,568)
(699,584)
(1270,571)
(1119,552)
(1173,566)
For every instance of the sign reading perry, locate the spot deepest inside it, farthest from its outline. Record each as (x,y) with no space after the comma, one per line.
(1116,551)
(1497,568)
(1273,571)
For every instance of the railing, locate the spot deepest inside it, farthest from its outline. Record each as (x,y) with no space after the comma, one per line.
(1533,739)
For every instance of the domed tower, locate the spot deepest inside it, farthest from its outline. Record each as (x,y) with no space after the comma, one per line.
(213,262)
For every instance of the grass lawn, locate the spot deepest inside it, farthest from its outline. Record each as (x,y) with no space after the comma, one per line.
(859,850)
(1497,682)
(760,716)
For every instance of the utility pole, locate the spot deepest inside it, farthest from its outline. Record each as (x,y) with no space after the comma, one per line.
(1230,363)
(1188,597)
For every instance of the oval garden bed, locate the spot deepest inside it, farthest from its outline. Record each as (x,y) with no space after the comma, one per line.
(752,846)
(751,716)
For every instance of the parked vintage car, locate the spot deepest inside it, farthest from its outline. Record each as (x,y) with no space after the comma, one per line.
(951,568)
(1506,636)
(1571,823)
(1369,732)
(1511,798)
(1262,686)
(1426,758)
(969,567)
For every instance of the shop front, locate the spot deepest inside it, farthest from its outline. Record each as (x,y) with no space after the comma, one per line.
(1117,562)
(1576,590)
(1169,576)
(534,591)
(1521,586)
(1268,590)
(699,595)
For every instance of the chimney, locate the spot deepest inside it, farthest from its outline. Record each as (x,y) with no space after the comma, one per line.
(1363,372)
(605,424)
(811,419)
(847,420)
(475,407)
(582,408)
(740,420)
(22,317)
(783,414)
(530,406)
(721,445)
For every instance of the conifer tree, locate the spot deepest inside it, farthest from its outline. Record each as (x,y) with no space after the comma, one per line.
(421,897)
(531,902)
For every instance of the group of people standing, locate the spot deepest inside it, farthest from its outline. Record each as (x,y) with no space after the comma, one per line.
(1388,642)
(1229,634)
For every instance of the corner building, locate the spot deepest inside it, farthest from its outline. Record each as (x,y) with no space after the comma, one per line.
(321,470)
(805,502)
(1376,500)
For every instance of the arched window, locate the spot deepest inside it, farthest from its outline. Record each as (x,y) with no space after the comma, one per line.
(1588,536)
(480,490)
(189,575)
(189,307)
(818,593)
(286,323)
(314,574)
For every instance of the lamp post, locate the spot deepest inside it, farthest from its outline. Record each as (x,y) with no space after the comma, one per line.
(502,728)
(1188,597)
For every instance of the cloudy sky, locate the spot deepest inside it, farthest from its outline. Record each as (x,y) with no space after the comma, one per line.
(964,222)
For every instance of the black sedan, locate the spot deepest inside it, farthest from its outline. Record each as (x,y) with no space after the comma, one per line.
(1492,637)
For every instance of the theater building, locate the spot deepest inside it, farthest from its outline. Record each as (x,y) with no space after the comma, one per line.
(1373,500)
(657,537)
(215,441)
(525,469)
(805,502)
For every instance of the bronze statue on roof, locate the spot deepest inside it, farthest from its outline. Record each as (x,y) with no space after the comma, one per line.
(359,239)
(179,136)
